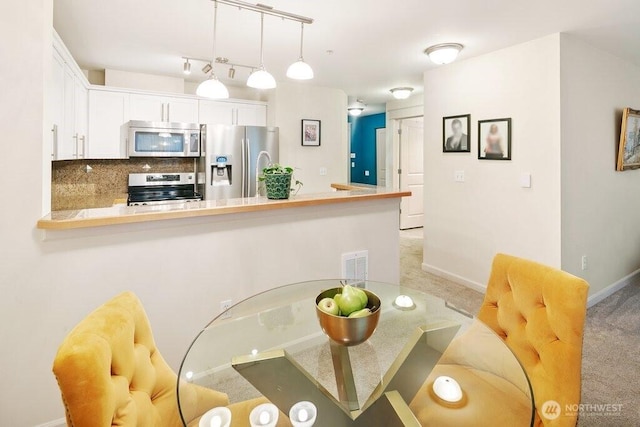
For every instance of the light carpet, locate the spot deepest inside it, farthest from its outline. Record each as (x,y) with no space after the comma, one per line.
(611,349)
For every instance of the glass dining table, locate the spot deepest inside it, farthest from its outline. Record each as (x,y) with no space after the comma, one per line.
(428,363)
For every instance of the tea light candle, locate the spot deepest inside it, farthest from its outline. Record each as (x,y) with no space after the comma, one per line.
(404,301)
(216,421)
(264,418)
(303,415)
(447,389)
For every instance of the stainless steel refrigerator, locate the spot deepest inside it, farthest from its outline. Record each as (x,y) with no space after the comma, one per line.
(234,157)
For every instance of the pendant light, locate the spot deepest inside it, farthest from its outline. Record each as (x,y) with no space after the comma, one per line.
(300,70)
(212,87)
(261,79)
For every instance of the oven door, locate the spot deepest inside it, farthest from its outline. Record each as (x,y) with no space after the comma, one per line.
(163,140)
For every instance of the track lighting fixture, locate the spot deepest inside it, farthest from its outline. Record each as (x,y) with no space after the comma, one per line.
(186,68)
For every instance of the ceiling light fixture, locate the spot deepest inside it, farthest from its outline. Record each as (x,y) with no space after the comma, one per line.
(444,53)
(261,79)
(212,87)
(401,92)
(186,68)
(300,70)
(356,108)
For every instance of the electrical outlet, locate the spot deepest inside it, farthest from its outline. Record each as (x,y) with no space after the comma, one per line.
(584,262)
(366,173)
(224,306)
(323,171)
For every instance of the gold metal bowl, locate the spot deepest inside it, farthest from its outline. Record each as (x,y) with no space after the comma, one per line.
(349,331)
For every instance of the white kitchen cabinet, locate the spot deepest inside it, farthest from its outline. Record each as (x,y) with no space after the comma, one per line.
(68,111)
(157,108)
(108,120)
(232,113)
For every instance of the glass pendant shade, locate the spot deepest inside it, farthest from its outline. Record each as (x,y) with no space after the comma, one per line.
(212,88)
(261,79)
(300,70)
(443,53)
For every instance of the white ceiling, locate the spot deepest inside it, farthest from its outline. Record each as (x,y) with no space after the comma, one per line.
(376,44)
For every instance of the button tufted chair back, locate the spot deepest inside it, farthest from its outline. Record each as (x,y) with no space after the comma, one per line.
(110,372)
(539,312)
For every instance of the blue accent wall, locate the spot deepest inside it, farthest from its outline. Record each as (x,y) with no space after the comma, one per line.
(363,144)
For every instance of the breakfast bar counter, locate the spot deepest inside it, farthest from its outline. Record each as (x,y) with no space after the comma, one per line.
(122,214)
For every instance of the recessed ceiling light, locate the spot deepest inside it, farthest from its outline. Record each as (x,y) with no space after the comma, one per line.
(444,53)
(401,92)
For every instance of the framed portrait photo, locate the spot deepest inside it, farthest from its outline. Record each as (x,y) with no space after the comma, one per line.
(629,148)
(456,134)
(310,133)
(494,139)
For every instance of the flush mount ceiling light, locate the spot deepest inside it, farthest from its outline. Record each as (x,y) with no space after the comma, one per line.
(212,87)
(186,68)
(261,79)
(300,70)
(401,92)
(444,53)
(356,108)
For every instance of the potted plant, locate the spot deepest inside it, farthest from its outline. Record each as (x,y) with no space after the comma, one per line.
(277,179)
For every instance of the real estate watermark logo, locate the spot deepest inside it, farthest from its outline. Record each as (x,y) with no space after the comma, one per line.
(551,409)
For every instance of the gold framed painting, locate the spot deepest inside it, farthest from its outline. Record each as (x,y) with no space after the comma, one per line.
(629,148)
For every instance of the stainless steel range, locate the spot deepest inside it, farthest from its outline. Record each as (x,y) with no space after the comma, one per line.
(162,188)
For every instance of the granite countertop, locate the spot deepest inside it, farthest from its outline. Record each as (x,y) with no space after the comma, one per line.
(122,214)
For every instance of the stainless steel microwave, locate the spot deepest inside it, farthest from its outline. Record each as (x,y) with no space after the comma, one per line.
(163,139)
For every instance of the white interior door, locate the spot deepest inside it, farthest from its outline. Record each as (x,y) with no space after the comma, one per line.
(411,173)
(381,156)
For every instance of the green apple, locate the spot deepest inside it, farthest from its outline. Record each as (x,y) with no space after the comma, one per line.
(360,313)
(349,301)
(329,306)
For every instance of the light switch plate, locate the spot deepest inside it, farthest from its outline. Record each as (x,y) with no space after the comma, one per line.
(353,155)
(458,176)
(525,180)
(366,173)
(353,164)
(323,171)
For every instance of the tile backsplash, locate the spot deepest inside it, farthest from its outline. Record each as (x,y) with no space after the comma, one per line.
(72,187)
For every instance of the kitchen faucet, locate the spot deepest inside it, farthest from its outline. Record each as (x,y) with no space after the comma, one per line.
(260,154)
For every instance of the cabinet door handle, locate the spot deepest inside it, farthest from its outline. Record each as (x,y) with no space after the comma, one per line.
(84,146)
(162,113)
(54,153)
(168,111)
(76,145)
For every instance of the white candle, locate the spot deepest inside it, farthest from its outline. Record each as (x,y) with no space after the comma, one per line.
(216,421)
(303,415)
(264,418)
(404,301)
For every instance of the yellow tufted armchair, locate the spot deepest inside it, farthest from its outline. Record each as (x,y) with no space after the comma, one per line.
(539,312)
(111,373)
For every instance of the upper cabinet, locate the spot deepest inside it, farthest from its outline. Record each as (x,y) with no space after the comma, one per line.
(68,106)
(108,120)
(157,108)
(232,113)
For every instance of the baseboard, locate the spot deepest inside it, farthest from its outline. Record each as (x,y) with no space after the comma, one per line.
(454,278)
(60,422)
(614,287)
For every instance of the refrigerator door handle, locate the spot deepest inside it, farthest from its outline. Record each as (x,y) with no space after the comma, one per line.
(244,168)
(247,170)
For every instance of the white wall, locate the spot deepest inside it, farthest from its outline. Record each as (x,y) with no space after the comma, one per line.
(288,105)
(467,223)
(128,79)
(599,205)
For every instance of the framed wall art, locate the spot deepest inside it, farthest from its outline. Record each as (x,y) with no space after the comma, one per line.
(310,133)
(456,134)
(494,139)
(629,148)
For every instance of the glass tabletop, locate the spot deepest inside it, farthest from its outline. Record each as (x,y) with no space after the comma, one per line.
(427,364)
